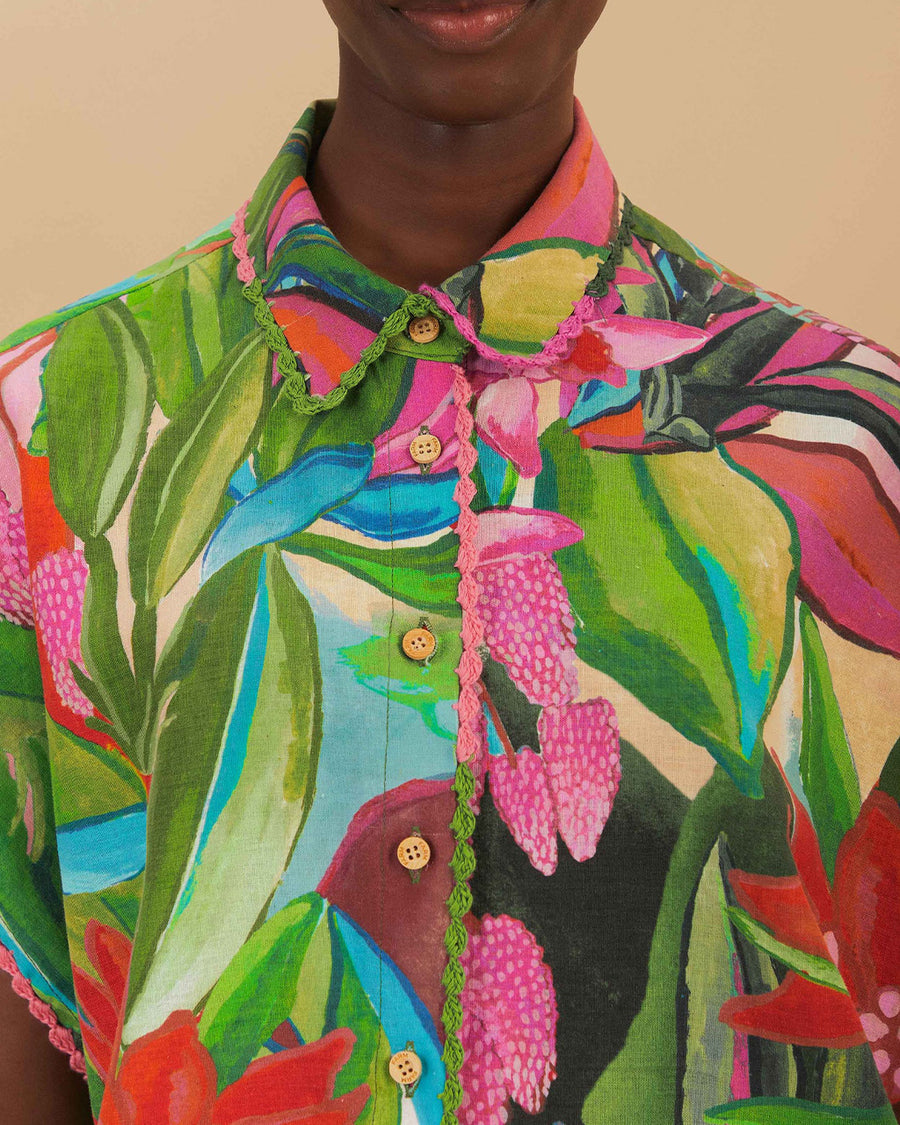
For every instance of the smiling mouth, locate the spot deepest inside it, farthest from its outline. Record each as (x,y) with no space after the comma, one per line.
(462,24)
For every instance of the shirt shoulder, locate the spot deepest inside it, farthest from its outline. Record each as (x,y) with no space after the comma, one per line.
(180,261)
(696,279)
(167,325)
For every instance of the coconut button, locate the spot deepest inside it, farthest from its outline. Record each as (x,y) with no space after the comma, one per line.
(423,329)
(414,852)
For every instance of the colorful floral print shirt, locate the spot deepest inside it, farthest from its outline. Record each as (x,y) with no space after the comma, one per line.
(653,545)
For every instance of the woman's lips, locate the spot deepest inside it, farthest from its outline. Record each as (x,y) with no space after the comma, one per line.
(474,26)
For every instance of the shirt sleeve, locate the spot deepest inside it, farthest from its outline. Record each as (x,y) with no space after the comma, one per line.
(34,948)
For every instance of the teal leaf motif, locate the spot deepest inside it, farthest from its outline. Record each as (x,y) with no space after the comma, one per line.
(288,503)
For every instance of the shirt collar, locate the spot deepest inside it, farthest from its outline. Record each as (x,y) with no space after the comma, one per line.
(330,306)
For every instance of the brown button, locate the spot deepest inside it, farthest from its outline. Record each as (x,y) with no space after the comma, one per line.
(414,852)
(425,449)
(419,644)
(424,329)
(405,1067)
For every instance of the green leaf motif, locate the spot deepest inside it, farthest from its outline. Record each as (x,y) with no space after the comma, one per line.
(371,408)
(422,577)
(258,988)
(181,494)
(98,387)
(755,835)
(31,908)
(236,759)
(709,980)
(20,669)
(113,690)
(350,1006)
(681,587)
(191,318)
(815,969)
(297,966)
(793,1111)
(106,781)
(827,768)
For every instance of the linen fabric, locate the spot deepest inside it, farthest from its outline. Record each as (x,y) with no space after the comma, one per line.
(686,891)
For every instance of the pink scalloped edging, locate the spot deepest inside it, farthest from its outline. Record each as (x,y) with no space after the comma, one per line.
(61,1037)
(553,349)
(245,270)
(468,706)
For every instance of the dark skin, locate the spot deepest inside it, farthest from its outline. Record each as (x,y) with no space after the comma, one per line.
(455,145)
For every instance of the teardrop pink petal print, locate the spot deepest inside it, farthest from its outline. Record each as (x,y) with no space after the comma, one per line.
(580,749)
(509,991)
(58,585)
(529,626)
(522,797)
(481,1077)
(15,598)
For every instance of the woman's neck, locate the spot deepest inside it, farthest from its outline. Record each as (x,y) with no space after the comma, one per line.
(416,200)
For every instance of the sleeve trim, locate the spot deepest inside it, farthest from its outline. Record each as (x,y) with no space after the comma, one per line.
(60,1036)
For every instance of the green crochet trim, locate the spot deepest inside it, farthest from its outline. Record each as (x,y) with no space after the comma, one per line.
(415,304)
(459,903)
(599,285)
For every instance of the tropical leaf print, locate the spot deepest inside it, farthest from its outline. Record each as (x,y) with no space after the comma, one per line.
(793,1111)
(99,388)
(191,317)
(826,762)
(31,921)
(245,711)
(670,601)
(289,502)
(181,494)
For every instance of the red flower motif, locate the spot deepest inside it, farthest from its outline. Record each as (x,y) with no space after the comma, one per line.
(167,1077)
(101,1000)
(854,922)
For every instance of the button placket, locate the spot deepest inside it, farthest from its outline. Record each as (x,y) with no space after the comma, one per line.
(423,329)
(425,448)
(420,643)
(414,853)
(405,1067)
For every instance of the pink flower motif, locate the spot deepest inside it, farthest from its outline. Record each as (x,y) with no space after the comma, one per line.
(58,586)
(606,349)
(15,599)
(509,1023)
(568,788)
(523,602)
(580,748)
(529,626)
(521,794)
(506,419)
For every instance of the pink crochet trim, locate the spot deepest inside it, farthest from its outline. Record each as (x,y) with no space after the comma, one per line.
(468,706)
(245,270)
(60,1036)
(555,348)
(583,309)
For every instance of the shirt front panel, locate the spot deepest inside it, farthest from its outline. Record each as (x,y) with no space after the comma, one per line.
(686,562)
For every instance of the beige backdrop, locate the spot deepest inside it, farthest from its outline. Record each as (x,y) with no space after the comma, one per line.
(767,132)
